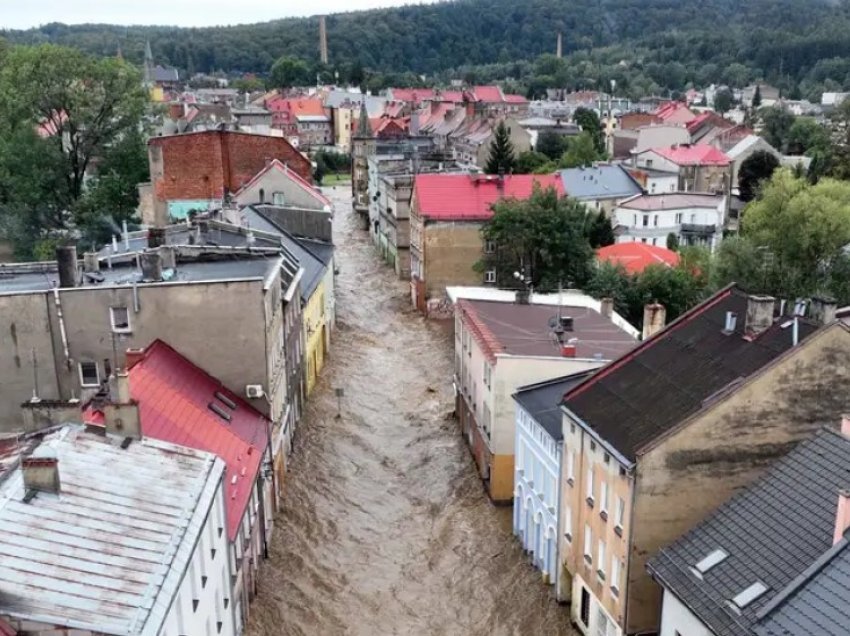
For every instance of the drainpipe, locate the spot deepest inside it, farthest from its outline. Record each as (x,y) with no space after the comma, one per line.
(62,331)
(559,531)
(625,591)
(261,497)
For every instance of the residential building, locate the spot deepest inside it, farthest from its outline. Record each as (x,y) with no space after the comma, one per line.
(175,401)
(769,95)
(471,142)
(635,257)
(277,184)
(655,181)
(344,108)
(713,399)
(675,113)
(694,219)
(626,142)
(197,171)
(69,325)
(537,125)
(110,534)
(601,187)
(706,126)
(537,477)
(743,150)
(446,215)
(501,346)
(773,559)
(701,167)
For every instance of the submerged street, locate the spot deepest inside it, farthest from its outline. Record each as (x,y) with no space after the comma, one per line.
(385,528)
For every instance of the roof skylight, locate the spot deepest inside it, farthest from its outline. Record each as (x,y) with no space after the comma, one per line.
(749,595)
(712,559)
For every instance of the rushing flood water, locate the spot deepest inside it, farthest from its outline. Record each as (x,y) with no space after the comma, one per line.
(385,527)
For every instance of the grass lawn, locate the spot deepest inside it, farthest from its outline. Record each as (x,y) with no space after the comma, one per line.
(336,179)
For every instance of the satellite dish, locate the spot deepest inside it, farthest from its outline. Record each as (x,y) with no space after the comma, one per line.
(554,321)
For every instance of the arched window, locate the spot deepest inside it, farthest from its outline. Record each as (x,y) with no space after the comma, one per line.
(262,196)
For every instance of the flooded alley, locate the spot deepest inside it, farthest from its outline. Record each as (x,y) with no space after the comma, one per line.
(385,528)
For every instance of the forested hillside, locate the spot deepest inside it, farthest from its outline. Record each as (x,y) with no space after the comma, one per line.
(799,43)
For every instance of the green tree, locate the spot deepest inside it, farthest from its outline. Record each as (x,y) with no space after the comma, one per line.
(543,236)
(806,136)
(776,125)
(529,161)
(598,229)
(289,71)
(580,152)
(551,144)
(755,169)
(248,84)
(502,158)
(723,100)
(589,122)
(673,242)
(757,97)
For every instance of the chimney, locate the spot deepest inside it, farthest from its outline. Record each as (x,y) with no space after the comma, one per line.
(842,516)
(523,296)
(568,349)
(133,356)
(121,413)
(151,266)
(823,309)
(759,314)
(41,471)
(168,257)
(414,123)
(567,323)
(66,261)
(731,323)
(156,237)
(90,262)
(606,307)
(654,319)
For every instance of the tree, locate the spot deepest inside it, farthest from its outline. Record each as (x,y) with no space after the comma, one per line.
(248,84)
(528,162)
(673,242)
(287,72)
(580,152)
(723,100)
(544,236)
(598,229)
(589,122)
(806,136)
(551,144)
(757,97)
(82,108)
(776,124)
(754,170)
(502,158)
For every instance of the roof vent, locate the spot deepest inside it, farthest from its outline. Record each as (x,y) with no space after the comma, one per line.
(41,471)
(225,400)
(215,408)
(731,322)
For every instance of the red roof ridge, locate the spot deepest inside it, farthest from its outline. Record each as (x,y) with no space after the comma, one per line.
(483,335)
(646,344)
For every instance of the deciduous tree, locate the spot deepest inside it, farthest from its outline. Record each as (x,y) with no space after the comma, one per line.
(755,170)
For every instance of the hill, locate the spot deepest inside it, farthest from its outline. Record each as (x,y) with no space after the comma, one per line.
(775,39)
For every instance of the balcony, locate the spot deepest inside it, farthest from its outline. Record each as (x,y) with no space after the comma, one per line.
(698,229)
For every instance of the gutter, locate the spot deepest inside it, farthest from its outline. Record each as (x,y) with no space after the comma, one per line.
(629,464)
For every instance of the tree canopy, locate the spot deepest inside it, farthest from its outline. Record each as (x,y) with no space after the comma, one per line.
(502,158)
(754,170)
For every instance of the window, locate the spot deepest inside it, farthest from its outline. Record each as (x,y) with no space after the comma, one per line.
(606,458)
(490,276)
(749,595)
(634,220)
(621,513)
(589,491)
(600,559)
(278,198)
(107,368)
(645,220)
(603,499)
(678,218)
(489,247)
(592,446)
(693,218)
(655,220)
(488,374)
(120,318)
(262,196)
(588,544)
(649,163)
(89,374)
(568,524)
(712,559)
(615,575)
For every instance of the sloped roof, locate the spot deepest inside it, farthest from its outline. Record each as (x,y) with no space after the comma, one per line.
(470,197)
(488,94)
(277,165)
(174,397)
(414,95)
(107,554)
(693,155)
(672,200)
(542,401)
(635,257)
(772,532)
(674,112)
(748,143)
(668,378)
(601,181)
(515,99)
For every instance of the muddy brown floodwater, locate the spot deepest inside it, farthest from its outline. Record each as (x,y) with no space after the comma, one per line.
(385,527)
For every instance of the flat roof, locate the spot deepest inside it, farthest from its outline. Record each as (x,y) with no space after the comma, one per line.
(107,554)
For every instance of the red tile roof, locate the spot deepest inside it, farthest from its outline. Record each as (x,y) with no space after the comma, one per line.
(635,257)
(414,95)
(693,155)
(6,629)
(455,97)
(489,94)
(174,396)
(515,99)
(470,197)
(674,112)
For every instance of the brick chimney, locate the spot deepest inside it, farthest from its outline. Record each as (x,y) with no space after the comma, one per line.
(121,413)
(823,309)
(654,319)
(132,356)
(41,471)
(759,314)
(606,307)
(842,515)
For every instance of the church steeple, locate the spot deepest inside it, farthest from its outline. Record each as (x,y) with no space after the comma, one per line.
(364,128)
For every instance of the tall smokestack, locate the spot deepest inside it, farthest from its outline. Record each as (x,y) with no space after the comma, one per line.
(560,49)
(323,39)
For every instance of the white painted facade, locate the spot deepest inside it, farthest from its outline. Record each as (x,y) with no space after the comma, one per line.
(657,182)
(278,185)
(661,136)
(599,622)
(652,226)
(678,620)
(537,469)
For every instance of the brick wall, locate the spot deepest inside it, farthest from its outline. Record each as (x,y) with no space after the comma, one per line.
(202,165)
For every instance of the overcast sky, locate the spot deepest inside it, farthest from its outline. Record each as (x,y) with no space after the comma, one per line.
(15,14)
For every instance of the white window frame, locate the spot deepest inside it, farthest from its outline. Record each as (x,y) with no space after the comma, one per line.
(96,371)
(620,513)
(489,246)
(589,484)
(600,559)
(615,576)
(571,467)
(603,497)
(278,198)
(490,276)
(115,328)
(588,543)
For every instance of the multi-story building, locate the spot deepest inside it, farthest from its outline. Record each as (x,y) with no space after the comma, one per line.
(661,437)
(694,219)
(276,184)
(447,213)
(501,346)
(537,477)
(700,167)
(601,187)
(774,559)
(111,534)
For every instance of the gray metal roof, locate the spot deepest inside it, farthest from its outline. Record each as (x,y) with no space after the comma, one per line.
(599,182)
(772,532)
(542,401)
(108,553)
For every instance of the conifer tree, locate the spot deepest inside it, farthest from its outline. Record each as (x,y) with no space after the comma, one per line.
(502,158)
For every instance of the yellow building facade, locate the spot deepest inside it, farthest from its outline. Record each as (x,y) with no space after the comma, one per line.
(315,335)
